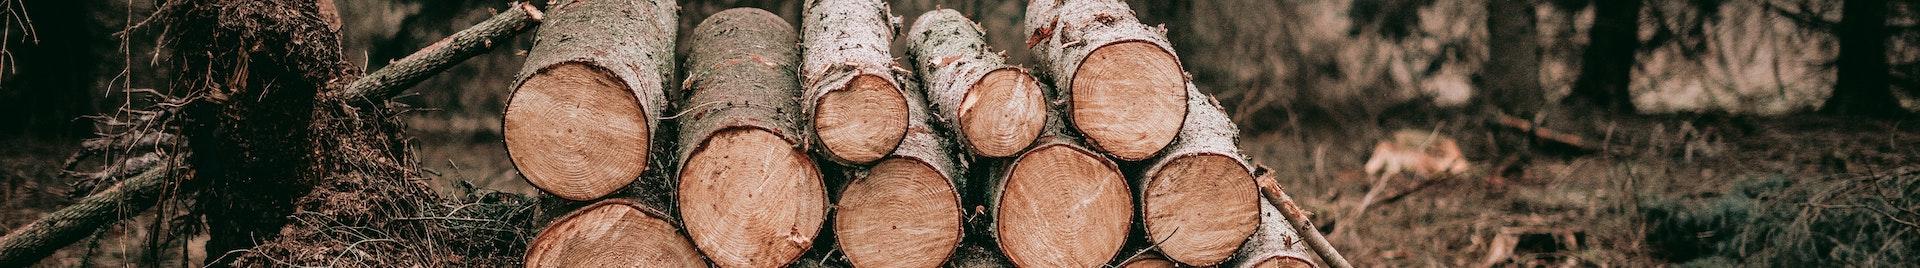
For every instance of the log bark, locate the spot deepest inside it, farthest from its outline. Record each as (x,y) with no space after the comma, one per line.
(1198,202)
(1275,244)
(856,110)
(993,109)
(906,210)
(613,233)
(450,51)
(586,105)
(28,244)
(1123,85)
(749,194)
(1059,204)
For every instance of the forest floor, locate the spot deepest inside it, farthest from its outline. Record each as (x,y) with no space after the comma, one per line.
(1545,207)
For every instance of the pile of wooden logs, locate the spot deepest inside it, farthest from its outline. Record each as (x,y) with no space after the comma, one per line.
(1105,153)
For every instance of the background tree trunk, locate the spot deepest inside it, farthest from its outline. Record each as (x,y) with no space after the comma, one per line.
(1511,77)
(1861,88)
(1606,72)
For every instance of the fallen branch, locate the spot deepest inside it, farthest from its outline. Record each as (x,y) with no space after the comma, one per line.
(450,51)
(1542,133)
(1298,218)
(30,243)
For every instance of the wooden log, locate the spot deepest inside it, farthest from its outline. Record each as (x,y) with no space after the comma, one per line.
(1275,244)
(905,211)
(613,233)
(1147,259)
(749,194)
(1198,201)
(993,109)
(856,111)
(581,119)
(1123,85)
(1059,204)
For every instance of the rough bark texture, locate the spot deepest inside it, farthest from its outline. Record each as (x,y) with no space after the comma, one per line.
(1198,200)
(844,40)
(742,79)
(1862,87)
(1275,242)
(924,145)
(976,256)
(28,244)
(1512,75)
(629,40)
(950,54)
(1064,34)
(1606,72)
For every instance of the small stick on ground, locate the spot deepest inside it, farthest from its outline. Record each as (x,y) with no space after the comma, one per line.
(1296,217)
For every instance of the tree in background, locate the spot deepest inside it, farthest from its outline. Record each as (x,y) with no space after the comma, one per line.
(1607,66)
(1510,78)
(1862,87)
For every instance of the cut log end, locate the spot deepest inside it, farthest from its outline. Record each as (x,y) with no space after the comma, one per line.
(576,131)
(904,214)
(1003,112)
(750,199)
(1063,207)
(1200,208)
(612,234)
(1283,262)
(1129,98)
(1153,262)
(862,122)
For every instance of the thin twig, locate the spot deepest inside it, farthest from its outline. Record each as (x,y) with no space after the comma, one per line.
(1301,225)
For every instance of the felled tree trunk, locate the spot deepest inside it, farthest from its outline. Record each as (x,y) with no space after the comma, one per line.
(748,193)
(613,233)
(905,211)
(581,122)
(1197,201)
(856,111)
(1123,85)
(993,109)
(1059,204)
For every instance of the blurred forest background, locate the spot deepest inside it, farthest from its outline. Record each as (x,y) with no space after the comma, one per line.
(1730,132)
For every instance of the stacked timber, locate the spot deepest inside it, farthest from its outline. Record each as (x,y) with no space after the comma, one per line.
(856,111)
(749,193)
(994,109)
(582,124)
(1121,83)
